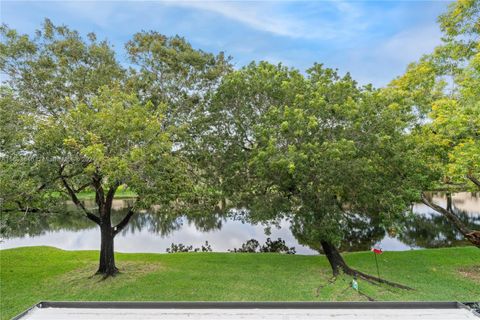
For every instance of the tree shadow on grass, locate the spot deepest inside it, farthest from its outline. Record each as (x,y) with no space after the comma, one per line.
(472,273)
(84,278)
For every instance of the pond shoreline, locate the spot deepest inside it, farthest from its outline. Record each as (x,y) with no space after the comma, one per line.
(149,232)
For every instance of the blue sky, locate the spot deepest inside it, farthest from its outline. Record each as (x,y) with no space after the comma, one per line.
(373,40)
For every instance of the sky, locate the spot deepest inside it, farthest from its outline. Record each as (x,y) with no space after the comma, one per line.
(373,40)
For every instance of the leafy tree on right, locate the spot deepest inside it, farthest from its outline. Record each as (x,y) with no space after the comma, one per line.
(444,89)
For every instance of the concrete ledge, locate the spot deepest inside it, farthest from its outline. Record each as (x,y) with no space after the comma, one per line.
(247,310)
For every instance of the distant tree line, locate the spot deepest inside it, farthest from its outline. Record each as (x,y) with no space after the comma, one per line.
(250,246)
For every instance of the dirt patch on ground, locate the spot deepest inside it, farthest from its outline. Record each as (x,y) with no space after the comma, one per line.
(472,273)
(84,278)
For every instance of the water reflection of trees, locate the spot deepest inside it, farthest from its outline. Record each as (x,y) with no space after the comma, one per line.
(420,230)
(153,222)
(360,234)
(18,224)
(435,231)
(164,224)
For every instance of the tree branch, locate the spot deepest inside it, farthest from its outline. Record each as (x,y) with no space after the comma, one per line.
(122,224)
(99,194)
(81,188)
(448,214)
(474,180)
(22,208)
(45,184)
(78,203)
(110,195)
(472,235)
(28,209)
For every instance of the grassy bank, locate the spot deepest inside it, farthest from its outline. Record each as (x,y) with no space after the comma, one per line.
(120,194)
(31,274)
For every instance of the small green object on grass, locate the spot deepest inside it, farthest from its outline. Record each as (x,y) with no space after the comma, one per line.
(355,284)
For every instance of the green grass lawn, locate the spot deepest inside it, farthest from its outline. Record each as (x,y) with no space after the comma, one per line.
(32,274)
(120,194)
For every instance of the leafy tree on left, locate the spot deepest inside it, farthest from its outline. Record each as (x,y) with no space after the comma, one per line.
(70,123)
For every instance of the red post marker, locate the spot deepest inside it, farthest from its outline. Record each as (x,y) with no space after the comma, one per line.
(375,252)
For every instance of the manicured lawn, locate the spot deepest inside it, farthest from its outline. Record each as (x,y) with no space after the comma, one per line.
(29,275)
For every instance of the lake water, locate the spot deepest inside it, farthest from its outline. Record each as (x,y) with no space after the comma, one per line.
(148,232)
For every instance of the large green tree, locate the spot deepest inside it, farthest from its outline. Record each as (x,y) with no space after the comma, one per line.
(444,88)
(321,151)
(74,119)
(169,70)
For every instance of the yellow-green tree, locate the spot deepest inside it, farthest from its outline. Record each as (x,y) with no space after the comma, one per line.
(444,88)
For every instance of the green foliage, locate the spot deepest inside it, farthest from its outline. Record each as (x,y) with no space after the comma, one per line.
(16,181)
(73,118)
(461,29)
(54,64)
(320,150)
(229,123)
(120,138)
(444,86)
(170,71)
(46,76)
(181,129)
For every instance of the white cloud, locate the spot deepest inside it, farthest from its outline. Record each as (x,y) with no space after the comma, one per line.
(384,58)
(99,13)
(327,20)
(266,17)
(253,16)
(409,45)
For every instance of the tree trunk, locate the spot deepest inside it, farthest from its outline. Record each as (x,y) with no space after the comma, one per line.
(338,264)
(104,202)
(334,258)
(107,257)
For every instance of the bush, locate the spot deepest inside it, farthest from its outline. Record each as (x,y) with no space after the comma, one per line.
(174,248)
(249,246)
(253,245)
